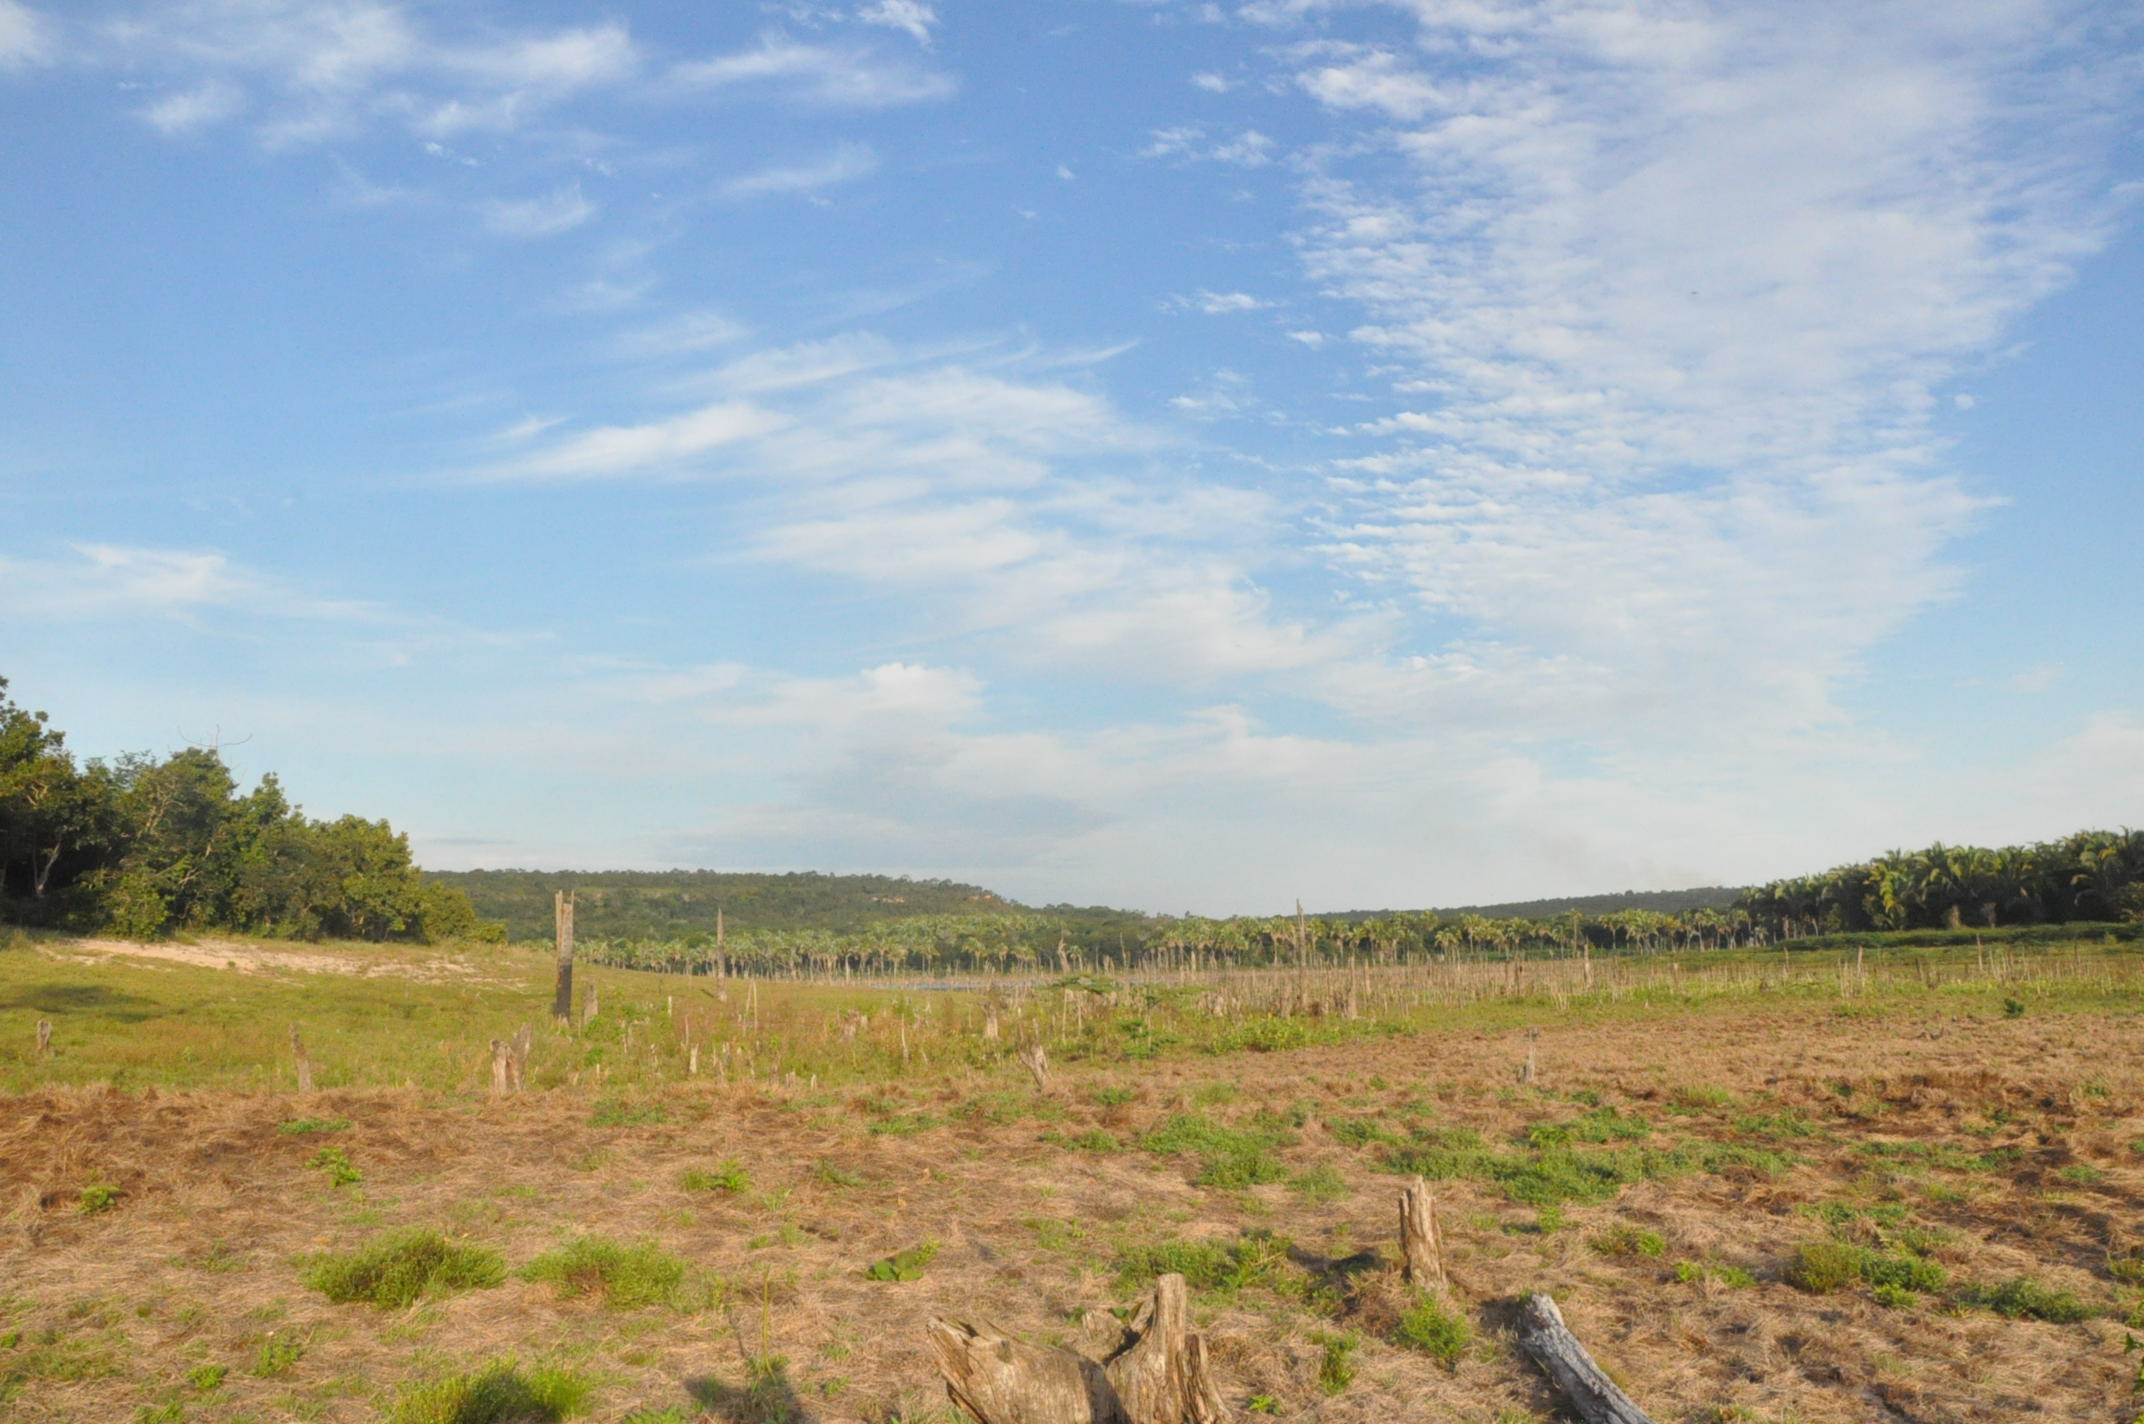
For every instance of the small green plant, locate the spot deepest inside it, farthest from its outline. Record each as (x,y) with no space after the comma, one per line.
(1624,1239)
(279,1355)
(97,1198)
(300,1126)
(336,1164)
(627,1276)
(497,1393)
(1895,1297)
(835,1176)
(2023,1298)
(2012,1009)
(621,1112)
(1228,1156)
(1114,1097)
(1336,1363)
(908,1265)
(1821,1267)
(394,1270)
(1094,1140)
(1440,1333)
(729,1177)
(2083,1173)
(1262,1404)
(207,1377)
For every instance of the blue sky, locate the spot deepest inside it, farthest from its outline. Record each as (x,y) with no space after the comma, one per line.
(1179,455)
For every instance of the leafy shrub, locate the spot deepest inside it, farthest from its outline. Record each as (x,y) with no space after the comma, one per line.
(279,1355)
(207,1377)
(336,1163)
(498,1393)
(1360,1131)
(2023,1298)
(1821,1267)
(97,1198)
(1437,1332)
(1628,1240)
(393,1270)
(1336,1365)
(627,1276)
(729,1177)
(906,1265)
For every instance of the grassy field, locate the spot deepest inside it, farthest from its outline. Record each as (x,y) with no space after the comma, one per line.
(1764,1188)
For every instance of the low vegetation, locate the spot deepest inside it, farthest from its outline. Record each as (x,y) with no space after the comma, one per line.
(395,1270)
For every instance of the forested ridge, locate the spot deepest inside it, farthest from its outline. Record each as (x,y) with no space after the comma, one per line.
(144,846)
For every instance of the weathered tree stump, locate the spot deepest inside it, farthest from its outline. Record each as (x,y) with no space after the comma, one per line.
(502,1067)
(44,1038)
(1421,1253)
(1593,1396)
(305,1064)
(519,1060)
(562,931)
(1037,1062)
(1528,1072)
(1160,1378)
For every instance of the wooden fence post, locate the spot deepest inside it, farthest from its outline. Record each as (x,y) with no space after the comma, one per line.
(305,1064)
(518,1060)
(44,1038)
(562,931)
(1527,1072)
(502,1067)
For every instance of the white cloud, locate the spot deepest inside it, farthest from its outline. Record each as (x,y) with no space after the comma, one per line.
(1212,83)
(1218,303)
(687,333)
(1248,149)
(2035,679)
(25,37)
(129,581)
(844,164)
(912,17)
(558,211)
(822,75)
(657,446)
(197,108)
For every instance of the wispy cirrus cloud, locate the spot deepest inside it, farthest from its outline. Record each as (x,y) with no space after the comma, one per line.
(830,76)
(844,164)
(560,210)
(26,36)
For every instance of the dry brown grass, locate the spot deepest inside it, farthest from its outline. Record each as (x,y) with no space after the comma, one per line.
(201,1260)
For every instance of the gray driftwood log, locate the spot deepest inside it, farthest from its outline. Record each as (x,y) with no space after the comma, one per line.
(1591,1395)
(1160,1378)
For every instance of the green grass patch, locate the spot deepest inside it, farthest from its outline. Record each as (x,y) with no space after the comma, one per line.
(498,1393)
(908,1265)
(97,1198)
(2023,1298)
(1822,1267)
(1627,1240)
(627,1275)
(729,1177)
(302,1126)
(1437,1331)
(623,1112)
(1221,1269)
(1336,1360)
(336,1164)
(1228,1156)
(394,1270)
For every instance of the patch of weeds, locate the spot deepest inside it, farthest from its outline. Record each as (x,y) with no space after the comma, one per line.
(668,1414)
(2023,1298)
(1821,1267)
(497,1393)
(906,1124)
(171,1411)
(1701,1098)
(626,1275)
(1720,1158)
(621,1112)
(1321,1183)
(1114,1097)
(1733,1277)
(1788,1123)
(835,1176)
(908,1265)
(98,1197)
(1336,1363)
(2083,1173)
(1601,1125)
(1361,1131)
(729,1177)
(1627,1240)
(1943,1155)
(218,1258)
(1894,1297)
(1551,1176)
(1268,1034)
(1441,1333)
(394,1270)
(1262,1404)
(207,1377)
(301,1126)
(337,1165)
(1228,1156)
(1220,1269)
(1092,1140)
(2012,1009)
(279,1355)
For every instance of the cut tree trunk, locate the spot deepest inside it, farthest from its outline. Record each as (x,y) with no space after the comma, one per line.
(305,1064)
(502,1067)
(1421,1255)
(1038,1065)
(1162,1377)
(518,1062)
(1592,1396)
(562,929)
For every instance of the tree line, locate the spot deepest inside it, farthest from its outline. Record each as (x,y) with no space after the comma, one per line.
(144,846)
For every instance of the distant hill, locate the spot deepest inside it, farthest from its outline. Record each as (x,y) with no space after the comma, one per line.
(674,904)
(1704,897)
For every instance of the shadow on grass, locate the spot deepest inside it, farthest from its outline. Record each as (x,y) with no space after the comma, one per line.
(765,1397)
(84,999)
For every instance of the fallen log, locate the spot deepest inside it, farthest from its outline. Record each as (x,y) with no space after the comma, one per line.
(1161,1377)
(1593,1396)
